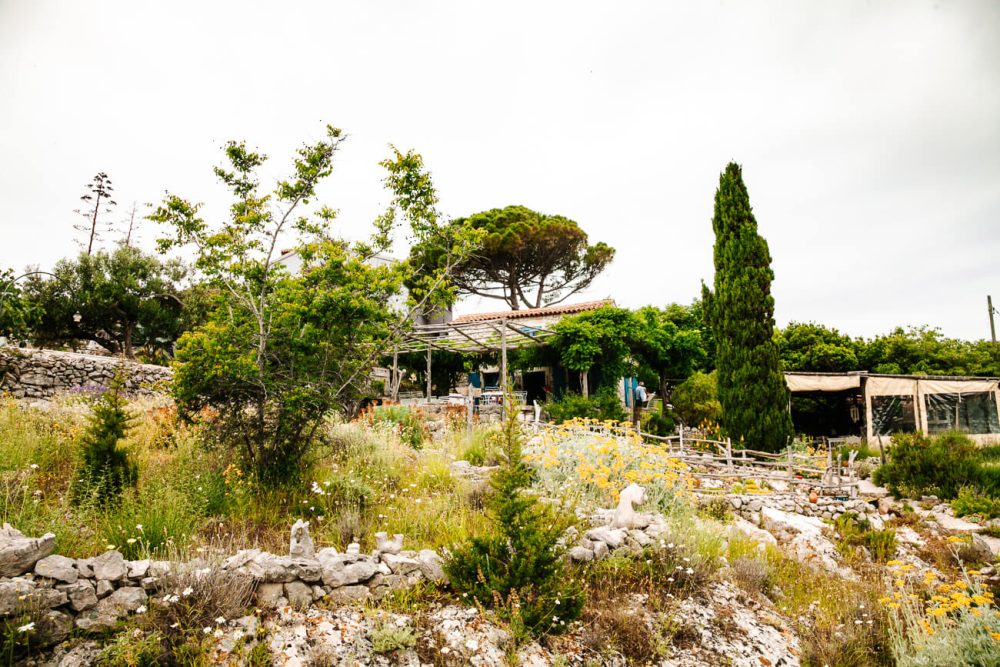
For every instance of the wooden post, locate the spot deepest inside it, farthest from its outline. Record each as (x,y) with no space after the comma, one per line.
(680,433)
(584,389)
(729,453)
(428,374)
(791,463)
(469,407)
(394,378)
(503,356)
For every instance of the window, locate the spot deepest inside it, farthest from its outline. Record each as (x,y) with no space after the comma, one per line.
(971,413)
(893,414)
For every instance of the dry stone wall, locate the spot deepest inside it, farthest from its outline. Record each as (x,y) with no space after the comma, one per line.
(44,374)
(93,594)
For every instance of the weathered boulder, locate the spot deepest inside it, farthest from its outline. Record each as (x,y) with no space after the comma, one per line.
(18,554)
(18,594)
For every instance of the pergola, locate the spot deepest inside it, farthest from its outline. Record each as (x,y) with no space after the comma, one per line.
(482,335)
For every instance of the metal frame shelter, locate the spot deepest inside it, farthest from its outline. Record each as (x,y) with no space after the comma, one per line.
(483,335)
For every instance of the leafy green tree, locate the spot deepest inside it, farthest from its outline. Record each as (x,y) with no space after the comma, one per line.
(667,345)
(815,348)
(526,259)
(925,351)
(696,400)
(106,469)
(121,300)
(600,338)
(752,389)
(281,351)
(518,569)
(16,313)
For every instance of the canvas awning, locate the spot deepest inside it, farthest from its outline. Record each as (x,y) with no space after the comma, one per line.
(798,382)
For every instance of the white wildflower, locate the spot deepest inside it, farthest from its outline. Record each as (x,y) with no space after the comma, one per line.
(187,591)
(141,609)
(28,627)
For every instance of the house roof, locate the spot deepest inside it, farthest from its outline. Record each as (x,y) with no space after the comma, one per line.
(566,309)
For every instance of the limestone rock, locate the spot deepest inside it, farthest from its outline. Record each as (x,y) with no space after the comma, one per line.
(400,564)
(741,525)
(104,588)
(269,595)
(346,594)
(430,565)
(54,626)
(57,567)
(387,546)
(18,554)
(81,594)
(301,545)
(581,554)
(613,537)
(137,569)
(112,608)
(269,568)
(299,595)
(337,574)
(109,566)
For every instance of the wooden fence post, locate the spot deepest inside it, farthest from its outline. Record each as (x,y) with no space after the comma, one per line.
(791,463)
(729,453)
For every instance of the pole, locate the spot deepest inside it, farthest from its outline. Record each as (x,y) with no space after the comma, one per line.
(428,374)
(503,355)
(993,329)
(394,379)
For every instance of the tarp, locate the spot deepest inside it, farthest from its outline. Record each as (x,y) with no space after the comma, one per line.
(956,386)
(890,386)
(802,382)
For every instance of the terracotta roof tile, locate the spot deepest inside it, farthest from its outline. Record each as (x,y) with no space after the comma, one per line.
(534,312)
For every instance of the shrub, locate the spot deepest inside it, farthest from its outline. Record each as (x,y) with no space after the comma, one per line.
(604,405)
(754,575)
(972,501)
(409,424)
(855,531)
(192,600)
(959,630)
(922,465)
(389,637)
(518,570)
(658,423)
(106,469)
(696,400)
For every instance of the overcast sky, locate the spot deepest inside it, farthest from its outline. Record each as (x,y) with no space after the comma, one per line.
(869,132)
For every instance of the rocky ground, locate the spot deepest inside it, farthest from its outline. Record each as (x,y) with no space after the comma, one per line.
(317,606)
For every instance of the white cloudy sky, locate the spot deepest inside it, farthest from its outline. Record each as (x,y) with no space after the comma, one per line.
(869,132)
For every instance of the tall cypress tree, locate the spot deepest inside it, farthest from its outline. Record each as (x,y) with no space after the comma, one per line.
(752,389)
